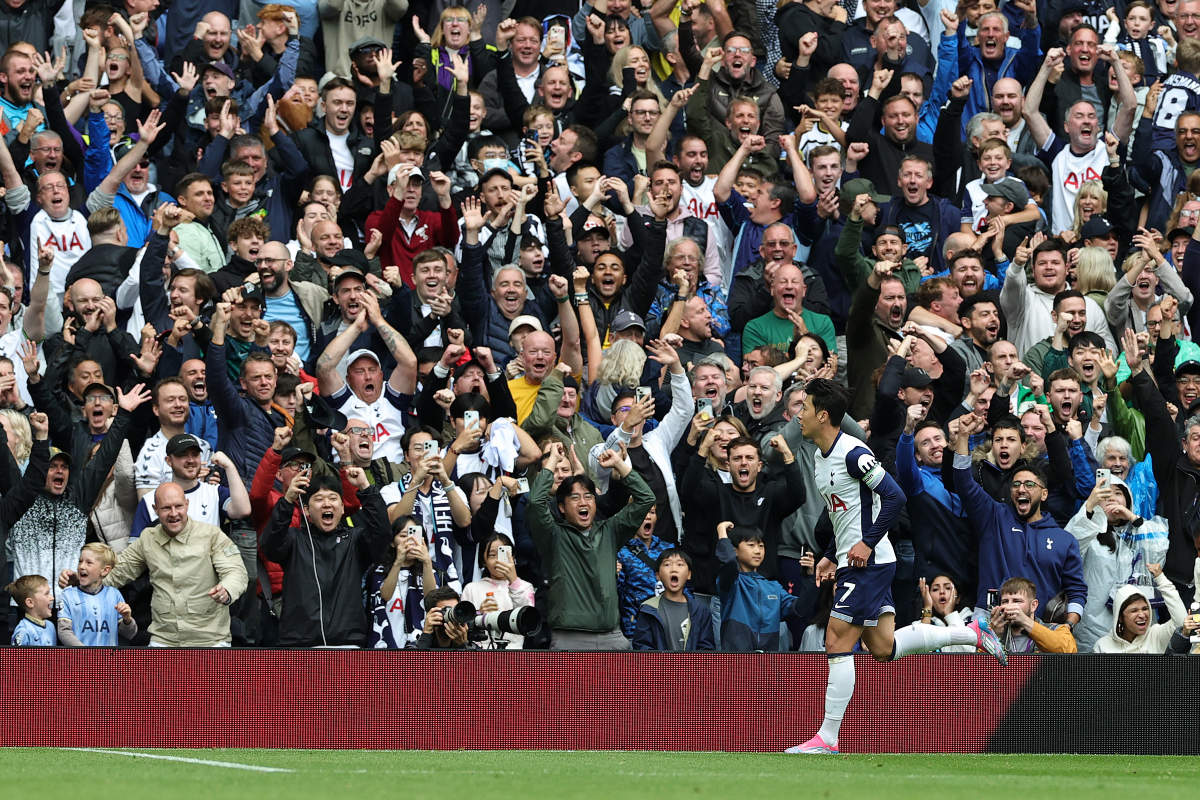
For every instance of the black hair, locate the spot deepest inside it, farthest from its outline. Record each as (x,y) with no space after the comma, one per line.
(830,397)
(568,486)
(407,438)
(438,595)
(1084,339)
(320,482)
(967,307)
(1036,468)
(1010,423)
(671,552)
(1066,294)
(470,402)
(466,483)
(286,384)
(745,533)
(478,144)
(430,354)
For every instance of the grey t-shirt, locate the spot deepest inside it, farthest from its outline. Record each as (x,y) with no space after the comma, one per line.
(675,615)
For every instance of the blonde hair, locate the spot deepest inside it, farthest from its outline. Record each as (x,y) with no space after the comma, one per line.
(1089,189)
(1094,271)
(104,553)
(622,364)
(22,433)
(437,39)
(617,73)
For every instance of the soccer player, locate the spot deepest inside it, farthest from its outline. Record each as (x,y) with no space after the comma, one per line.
(863,501)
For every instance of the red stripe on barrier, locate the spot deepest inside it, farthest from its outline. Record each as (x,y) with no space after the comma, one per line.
(519,700)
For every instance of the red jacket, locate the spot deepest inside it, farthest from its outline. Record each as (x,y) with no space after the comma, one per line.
(434,229)
(263,497)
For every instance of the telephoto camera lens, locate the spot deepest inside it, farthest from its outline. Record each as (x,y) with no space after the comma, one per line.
(524,621)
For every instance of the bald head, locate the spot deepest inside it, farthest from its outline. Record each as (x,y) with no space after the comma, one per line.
(538,353)
(86,296)
(327,238)
(216,38)
(956,242)
(274,249)
(170,504)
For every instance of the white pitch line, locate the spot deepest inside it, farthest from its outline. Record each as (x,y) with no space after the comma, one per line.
(204,762)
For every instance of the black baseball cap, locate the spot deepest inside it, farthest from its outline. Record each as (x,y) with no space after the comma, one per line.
(915,378)
(1096,226)
(1189,367)
(291,452)
(181,443)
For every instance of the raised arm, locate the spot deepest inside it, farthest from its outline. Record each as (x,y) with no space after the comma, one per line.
(147,132)
(329,380)
(404,376)
(1038,127)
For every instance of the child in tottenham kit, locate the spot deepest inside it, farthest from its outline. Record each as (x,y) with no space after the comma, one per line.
(672,620)
(92,614)
(32,595)
(751,606)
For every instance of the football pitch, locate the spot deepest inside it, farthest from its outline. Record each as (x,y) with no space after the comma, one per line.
(133,774)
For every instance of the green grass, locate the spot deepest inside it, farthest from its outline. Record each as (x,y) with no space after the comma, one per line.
(529,775)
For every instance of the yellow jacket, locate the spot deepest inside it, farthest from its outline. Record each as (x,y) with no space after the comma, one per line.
(183,569)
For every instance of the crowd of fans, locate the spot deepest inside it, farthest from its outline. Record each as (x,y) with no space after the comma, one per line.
(320,320)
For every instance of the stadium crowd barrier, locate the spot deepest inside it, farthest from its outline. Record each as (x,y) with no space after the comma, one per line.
(594,701)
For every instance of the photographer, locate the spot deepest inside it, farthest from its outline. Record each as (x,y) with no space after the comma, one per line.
(441,633)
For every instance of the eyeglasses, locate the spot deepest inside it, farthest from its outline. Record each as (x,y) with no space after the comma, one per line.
(295,464)
(54,187)
(645,112)
(114,118)
(683,259)
(625,409)
(589,497)
(778,243)
(466,20)
(358,431)
(96,399)
(119,57)
(1027,485)
(258,262)
(745,51)
(47,149)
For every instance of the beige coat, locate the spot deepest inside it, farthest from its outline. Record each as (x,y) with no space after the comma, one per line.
(182,571)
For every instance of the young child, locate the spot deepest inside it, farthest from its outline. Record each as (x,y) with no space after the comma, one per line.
(1135,70)
(1140,38)
(237,181)
(747,182)
(752,606)
(92,614)
(673,621)
(32,595)
(994,160)
(821,124)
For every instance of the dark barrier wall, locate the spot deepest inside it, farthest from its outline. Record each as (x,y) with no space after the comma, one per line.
(594,701)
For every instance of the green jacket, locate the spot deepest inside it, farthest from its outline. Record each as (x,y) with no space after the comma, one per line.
(721,144)
(857,267)
(576,432)
(1128,423)
(582,565)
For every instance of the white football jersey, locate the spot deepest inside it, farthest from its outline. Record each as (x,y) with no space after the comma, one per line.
(846,477)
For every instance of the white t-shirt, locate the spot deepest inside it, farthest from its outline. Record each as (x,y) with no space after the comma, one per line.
(385,418)
(1068,172)
(342,159)
(151,471)
(70,239)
